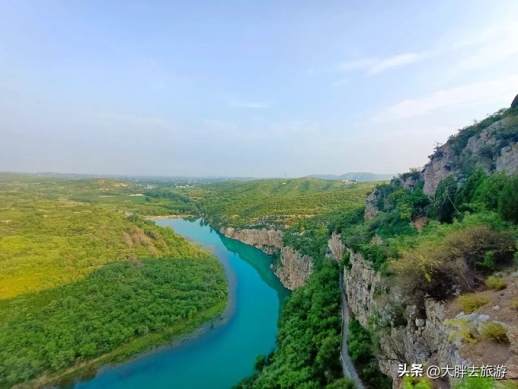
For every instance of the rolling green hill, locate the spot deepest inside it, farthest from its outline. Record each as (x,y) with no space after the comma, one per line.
(84,278)
(276,202)
(441,239)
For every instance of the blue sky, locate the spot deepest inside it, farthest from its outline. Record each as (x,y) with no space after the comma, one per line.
(246,88)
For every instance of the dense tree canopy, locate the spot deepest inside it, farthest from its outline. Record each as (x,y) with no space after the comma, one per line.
(307,354)
(84,276)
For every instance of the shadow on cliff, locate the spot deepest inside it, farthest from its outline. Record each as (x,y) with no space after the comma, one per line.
(260,261)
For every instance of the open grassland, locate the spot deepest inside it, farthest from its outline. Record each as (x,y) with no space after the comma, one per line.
(83,276)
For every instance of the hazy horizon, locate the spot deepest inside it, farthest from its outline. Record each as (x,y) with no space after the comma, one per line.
(155,176)
(242,89)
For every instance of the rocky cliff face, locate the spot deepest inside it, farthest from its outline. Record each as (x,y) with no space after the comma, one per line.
(406,336)
(293,268)
(492,148)
(371,205)
(433,332)
(361,282)
(269,241)
(491,145)
(508,159)
(440,166)
(336,248)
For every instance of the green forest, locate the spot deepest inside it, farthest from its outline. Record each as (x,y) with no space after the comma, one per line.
(84,277)
(461,239)
(276,202)
(62,239)
(133,304)
(309,338)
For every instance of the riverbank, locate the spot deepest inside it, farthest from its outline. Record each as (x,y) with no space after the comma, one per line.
(136,348)
(171,216)
(148,336)
(227,352)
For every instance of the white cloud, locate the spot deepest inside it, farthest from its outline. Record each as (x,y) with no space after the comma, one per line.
(396,61)
(498,91)
(494,45)
(373,66)
(473,49)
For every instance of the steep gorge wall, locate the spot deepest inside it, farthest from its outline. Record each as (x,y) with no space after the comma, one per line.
(409,336)
(406,335)
(335,246)
(269,241)
(293,268)
(422,334)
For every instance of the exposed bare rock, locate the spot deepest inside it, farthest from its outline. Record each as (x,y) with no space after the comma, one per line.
(361,282)
(439,167)
(406,336)
(293,269)
(371,208)
(507,161)
(420,222)
(514,104)
(500,309)
(269,241)
(408,180)
(486,148)
(336,247)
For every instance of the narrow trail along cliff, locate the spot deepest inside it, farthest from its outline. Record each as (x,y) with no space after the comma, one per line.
(293,270)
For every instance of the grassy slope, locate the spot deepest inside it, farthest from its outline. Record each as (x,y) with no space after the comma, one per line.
(55,251)
(278,202)
(48,240)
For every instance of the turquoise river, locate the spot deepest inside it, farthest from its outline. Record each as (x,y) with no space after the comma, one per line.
(222,355)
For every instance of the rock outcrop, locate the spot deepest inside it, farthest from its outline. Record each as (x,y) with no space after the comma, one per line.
(269,241)
(421,329)
(293,268)
(335,246)
(361,282)
(440,166)
(371,205)
(405,335)
(409,180)
(491,147)
(507,161)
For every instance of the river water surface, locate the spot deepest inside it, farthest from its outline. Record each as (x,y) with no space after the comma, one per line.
(221,356)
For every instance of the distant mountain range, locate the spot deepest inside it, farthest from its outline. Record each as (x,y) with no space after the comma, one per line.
(356,176)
